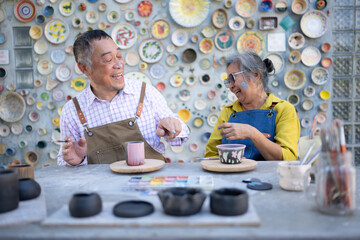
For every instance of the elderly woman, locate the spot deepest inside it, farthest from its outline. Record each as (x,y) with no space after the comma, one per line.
(267,125)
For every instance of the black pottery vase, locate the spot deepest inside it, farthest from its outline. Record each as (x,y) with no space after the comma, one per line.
(85,205)
(9,190)
(28,189)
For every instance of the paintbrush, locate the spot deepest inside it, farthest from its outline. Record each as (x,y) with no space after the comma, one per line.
(59,141)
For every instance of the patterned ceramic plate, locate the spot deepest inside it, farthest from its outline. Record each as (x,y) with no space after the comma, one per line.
(176,80)
(206,45)
(179,37)
(157,71)
(172,60)
(245,8)
(151,50)
(314,23)
(310,56)
(139,76)
(320,75)
(236,23)
(35,32)
(160,29)
(224,40)
(25,10)
(251,41)
(12,107)
(44,67)
(124,36)
(144,8)
(56,31)
(58,95)
(63,73)
(184,115)
(212,119)
(58,56)
(294,79)
(67,8)
(189,13)
(123,1)
(92,17)
(220,18)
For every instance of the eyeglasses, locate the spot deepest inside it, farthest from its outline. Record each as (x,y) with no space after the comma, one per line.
(231,78)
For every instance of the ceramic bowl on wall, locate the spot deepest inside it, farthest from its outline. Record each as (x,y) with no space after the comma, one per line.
(12,107)
(295,79)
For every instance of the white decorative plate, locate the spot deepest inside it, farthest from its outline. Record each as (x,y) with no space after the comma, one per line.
(132,59)
(63,73)
(179,37)
(92,17)
(40,47)
(58,56)
(176,80)
(113,16)
(151,50)
(212,119)
(236,23)
(124,35)
(44,67)
(320,75)
(139,76)
(56,31)
(200,104)
(157,71)
(310,56)
(314,23)
(189,13)
(67,7)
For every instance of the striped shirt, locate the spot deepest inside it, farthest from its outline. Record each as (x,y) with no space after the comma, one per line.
(99,112)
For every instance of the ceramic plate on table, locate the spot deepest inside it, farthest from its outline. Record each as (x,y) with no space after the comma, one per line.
(217,166)
(295,79)
(124,35)
(224,40)
(160,29)
(157,71)
(56,31)
(189,13)
(236,23)
(151,50)
(220,18)
(310,56)
(245,8)
(58,56)
(63,73)
(67,8)
(40,47)
(149,165)
(44,67)
(179,37)
(12,107)
(251,41)
(320,75)
(206,45)
(277,60)
(25,10)
(314,23)
(139,76)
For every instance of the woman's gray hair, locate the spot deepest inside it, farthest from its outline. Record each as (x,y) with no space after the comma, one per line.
(252,63)
(83,49)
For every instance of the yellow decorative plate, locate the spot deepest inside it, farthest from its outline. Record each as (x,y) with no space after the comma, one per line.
(184,114)
(56,31)
(160,29)
(189,13)
(78,84)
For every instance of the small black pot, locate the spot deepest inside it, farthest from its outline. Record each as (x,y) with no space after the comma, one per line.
(182,201)
(85,205)
(28,189)
(9,190)
(229,201)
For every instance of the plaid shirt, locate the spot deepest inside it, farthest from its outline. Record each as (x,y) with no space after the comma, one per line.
(98,112)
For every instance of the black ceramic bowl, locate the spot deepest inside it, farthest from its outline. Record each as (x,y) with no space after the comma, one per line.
(182,201)
(85,205)
(229,201)
(28,189)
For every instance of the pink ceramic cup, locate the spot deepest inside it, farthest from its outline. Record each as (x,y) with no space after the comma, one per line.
(135,153)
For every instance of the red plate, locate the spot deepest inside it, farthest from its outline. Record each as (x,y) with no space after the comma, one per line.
(25,10)
(145,8)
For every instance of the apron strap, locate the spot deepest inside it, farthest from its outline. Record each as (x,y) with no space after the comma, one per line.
(142,95)
(81,116)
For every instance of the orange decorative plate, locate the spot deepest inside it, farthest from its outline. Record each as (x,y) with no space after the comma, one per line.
(251,41)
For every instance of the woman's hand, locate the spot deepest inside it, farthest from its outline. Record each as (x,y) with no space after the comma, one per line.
(233,131)
(74,152)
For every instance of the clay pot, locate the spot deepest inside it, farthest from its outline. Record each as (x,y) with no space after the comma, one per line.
(9,190)
(229,201)
(23,170)
(85,205)
(28,189)
(182,201)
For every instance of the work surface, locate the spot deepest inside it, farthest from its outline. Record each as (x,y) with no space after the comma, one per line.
(283,214)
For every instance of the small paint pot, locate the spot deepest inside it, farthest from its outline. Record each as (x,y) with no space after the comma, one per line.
(23,144)
(307,105)
(323,107)
(3,73)
(211,94)
(42,131)
(324,95)
(28,128)
(48,11)
(294,99)
(326,62)
(194,147)
(40,19)
(41,144)
(10,152)
(325,47)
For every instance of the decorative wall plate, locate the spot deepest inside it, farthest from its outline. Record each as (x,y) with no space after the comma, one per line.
(129,15)
(251,41)
(206,45)
(2,38)
(277,60)
(208,31)
(67,8)
(44,67)
(16,128)
(219,18)
(212,119)
(205,63)
(184,95)
(139,76)
(48,11)
(144,8)
(58,95)
(58,56)
(200,104)
(245,8)
(189,13)
(310,56)
(160,29)
(179,37)
(296,40)
(113,16)
(314,23)
(198,122)
(92,17)
(190,80)
(236,23)
(320,76)
(35,32)
(295,56)
(295,79)
(184,115)
(160,86)
(63,73)
(224,40)
(157,71)
(25,10)
(40,47)
(172,60)
(12,107)
(309,91)
(151,50)
(78,84)
(56,31)
(176,80)
(124,35)
(326,62)
(132,59)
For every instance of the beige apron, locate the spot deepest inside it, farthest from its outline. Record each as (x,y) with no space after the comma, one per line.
(106,143)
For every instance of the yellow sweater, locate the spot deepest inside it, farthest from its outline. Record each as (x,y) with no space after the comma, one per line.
(287,130)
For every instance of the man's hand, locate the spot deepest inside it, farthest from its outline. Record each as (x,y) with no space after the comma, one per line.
(169,126)
(74,152)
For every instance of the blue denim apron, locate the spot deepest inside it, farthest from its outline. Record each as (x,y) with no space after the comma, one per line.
(262,120)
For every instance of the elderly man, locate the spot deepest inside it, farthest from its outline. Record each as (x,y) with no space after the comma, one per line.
(113,110)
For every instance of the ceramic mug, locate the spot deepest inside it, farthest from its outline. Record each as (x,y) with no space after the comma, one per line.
(135,153)
(291,175)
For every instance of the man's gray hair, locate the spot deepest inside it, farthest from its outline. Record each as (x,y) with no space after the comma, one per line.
(83,49)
